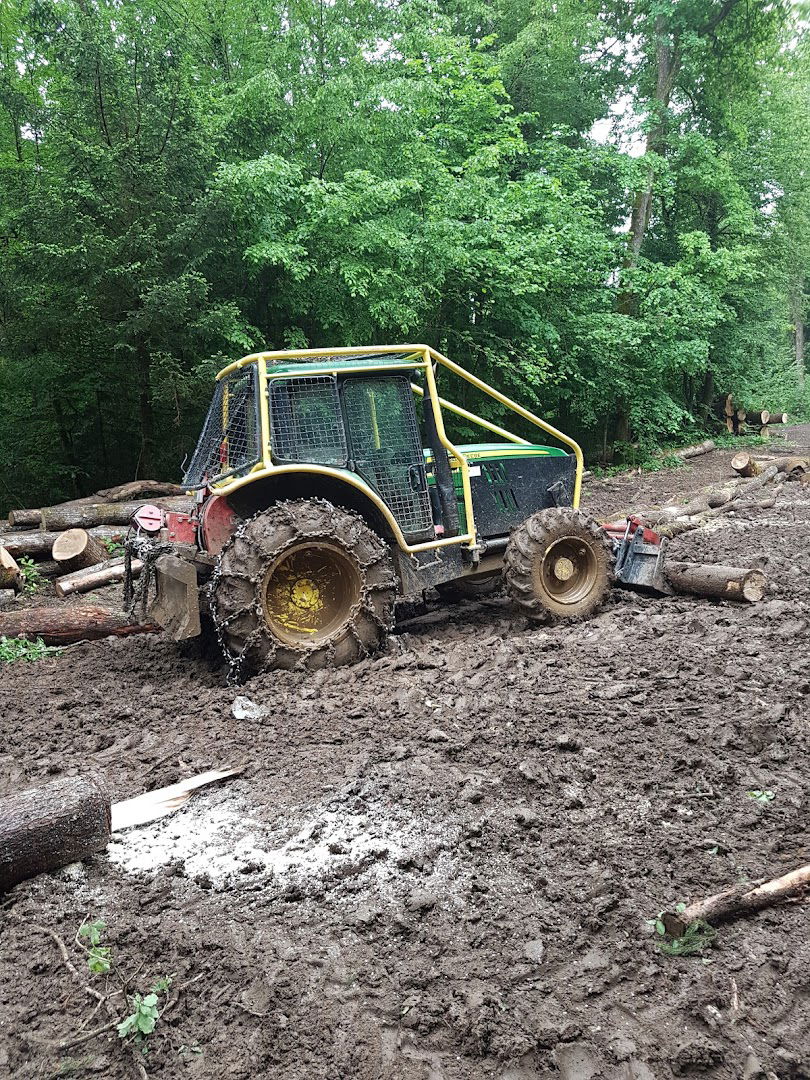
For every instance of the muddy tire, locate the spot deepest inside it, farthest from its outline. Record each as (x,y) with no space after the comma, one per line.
(558,565)
(304,583)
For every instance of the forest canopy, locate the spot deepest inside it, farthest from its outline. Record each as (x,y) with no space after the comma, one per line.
(603,208)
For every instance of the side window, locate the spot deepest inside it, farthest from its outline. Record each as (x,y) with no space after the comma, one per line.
(305,421)
(229,443)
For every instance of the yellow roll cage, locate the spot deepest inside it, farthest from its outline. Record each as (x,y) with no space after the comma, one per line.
(418,358)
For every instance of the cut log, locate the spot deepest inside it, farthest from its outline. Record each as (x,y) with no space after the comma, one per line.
(139,489)
(721,582)
(744,464)
(38,545)
(77,549)
(728,405)
(695,451)
(96,577)
(729,425)
(24,519)
(759,417)
(793,467)
(82,517)
(777,418)
(739,900)
(63,625)
(46,827)
(10,573)
(741,415)
(764,432)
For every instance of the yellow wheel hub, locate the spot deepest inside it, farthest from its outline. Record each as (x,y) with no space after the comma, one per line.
(567,571)
(308,592)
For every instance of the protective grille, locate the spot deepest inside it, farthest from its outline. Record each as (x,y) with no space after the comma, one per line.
(305,421)
(230,442)
(387,450)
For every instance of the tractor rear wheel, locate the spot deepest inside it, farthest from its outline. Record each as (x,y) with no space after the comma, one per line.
(558,565)
(304,583)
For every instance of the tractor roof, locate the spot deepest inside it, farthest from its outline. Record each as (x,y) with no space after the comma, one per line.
(300,365)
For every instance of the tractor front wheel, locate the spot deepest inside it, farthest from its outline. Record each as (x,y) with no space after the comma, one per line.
(558,565)
(303,583)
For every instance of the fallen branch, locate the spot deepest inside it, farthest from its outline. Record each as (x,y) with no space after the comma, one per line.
(739,900)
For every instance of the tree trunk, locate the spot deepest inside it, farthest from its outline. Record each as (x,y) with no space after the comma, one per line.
(96,577)
(38,545)
(797,316)
(65,625)
(722,582)
(81,517)
(47,827)
(143,361)
(76,549)
(695,451)
(777,418)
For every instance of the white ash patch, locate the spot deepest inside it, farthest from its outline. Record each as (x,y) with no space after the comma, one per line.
(227,845)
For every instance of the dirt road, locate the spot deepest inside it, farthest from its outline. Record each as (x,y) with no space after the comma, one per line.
(441,865)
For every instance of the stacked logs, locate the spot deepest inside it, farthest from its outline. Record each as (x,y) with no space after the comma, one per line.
(67,543)
(748,422)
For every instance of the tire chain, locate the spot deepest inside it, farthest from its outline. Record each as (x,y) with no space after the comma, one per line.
(236,661)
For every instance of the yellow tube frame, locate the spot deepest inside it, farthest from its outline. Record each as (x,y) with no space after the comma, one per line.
(420,358)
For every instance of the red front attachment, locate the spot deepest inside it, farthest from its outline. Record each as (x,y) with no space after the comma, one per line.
(149,518)
(617,530)
(181,528)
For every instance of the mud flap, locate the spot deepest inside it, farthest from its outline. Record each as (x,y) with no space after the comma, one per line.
(177,603)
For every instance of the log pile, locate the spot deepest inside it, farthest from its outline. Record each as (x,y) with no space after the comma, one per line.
(69,543)
(740,421)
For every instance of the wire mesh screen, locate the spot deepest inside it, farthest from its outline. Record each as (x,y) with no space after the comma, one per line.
(386,448)
(230,442)
(305,421)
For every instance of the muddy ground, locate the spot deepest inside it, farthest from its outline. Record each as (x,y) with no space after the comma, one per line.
(440,865)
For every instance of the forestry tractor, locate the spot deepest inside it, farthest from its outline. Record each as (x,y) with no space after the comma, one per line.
(327,490)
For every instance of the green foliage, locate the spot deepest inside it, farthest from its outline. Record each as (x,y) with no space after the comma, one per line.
(145,1013)
(13,649)
(761,797)
(176,191)
(99,959)
(114,548)
(32,578)
(696,938)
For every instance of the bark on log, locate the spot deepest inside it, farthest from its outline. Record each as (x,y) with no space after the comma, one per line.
(82,517)
(65,625)
(77,549)
(744,464)
(759,417)
(793,467)
(139,489)
(38,545)
(24,519)
(10,574)
(739,900)
(47,827)
(96,577)
(777,418)
(721,582)
(695,451)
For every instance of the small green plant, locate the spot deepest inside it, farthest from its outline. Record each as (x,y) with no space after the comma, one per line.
(13,649)
(116,549)
(32,578)
(98,956)
(145,1013)
(696,938)
(761,797)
